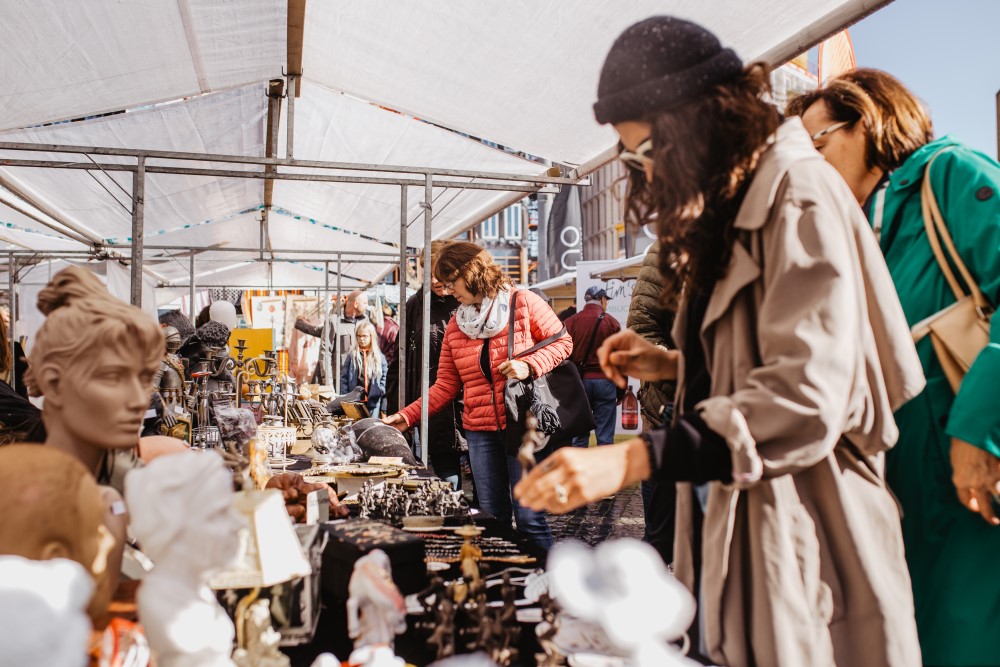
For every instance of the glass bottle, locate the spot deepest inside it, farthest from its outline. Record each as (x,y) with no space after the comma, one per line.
(630,410)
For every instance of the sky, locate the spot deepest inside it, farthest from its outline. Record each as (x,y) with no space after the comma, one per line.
(948,53)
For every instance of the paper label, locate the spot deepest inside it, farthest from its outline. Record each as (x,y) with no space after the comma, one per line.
(386,461)
(149,414)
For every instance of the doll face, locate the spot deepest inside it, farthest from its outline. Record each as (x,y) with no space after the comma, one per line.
(105,407)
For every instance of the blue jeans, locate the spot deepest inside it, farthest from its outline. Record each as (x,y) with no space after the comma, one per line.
(495,474)
(602,397)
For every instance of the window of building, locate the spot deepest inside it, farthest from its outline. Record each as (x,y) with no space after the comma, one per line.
(513,220)
(490,229)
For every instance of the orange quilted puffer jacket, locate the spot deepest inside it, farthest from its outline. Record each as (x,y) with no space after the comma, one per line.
(459,366)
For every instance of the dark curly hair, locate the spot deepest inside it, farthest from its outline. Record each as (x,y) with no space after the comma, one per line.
(474,265)
(705,153)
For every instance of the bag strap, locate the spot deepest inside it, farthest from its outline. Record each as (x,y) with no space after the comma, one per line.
(593,340)
(510,324)
(510,333)
(935,226)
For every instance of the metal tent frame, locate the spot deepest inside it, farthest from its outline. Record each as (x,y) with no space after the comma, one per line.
(402,176)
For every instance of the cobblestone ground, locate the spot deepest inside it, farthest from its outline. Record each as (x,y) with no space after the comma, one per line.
(611,518)
(614,517)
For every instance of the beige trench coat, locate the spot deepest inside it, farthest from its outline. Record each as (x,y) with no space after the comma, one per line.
(809,353)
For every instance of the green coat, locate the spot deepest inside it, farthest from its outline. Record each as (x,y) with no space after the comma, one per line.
(952,553)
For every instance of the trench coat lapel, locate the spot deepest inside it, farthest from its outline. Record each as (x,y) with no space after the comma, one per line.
(742,271)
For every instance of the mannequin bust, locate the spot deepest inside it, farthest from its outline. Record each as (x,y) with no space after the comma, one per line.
(94,360)
(42,612)
(53,508)
(183,516)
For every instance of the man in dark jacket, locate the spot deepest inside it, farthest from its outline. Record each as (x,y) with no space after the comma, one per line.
(589,328)
(649,318)
(443,428)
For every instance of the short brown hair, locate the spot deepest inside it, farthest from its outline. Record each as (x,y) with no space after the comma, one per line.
(896,124)
(474,265)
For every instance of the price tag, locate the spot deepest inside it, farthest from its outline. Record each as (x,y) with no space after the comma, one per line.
(386,461)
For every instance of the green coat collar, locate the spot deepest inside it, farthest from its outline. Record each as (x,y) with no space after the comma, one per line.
(911,171)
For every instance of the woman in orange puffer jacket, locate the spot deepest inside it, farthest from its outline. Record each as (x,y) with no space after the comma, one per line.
(474,358)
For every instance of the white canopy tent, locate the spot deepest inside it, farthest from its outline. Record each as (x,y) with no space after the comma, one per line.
(393,92)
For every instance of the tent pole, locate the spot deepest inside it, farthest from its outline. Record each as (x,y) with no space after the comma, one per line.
(138,197)
(191,292)
(401,312)
(425,333)
(336,334)
(11,275)
(290,121)
(325,312)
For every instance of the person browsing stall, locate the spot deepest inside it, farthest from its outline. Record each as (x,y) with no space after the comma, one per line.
(474,358)
(589,328)
(365,367)
(945,471)
(793,352)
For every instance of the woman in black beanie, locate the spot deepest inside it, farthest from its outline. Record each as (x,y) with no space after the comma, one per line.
(793,353)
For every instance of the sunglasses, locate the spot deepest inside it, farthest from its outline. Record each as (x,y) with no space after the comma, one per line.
(640,158)
(830,130)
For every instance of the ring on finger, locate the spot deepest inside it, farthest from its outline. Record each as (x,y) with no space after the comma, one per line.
(562,495)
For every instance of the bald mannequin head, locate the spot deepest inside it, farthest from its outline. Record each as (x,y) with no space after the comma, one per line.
(53,508)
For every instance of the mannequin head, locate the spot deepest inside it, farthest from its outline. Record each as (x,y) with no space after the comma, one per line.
(94,361)
(53,509)
(182,512)
(42,612)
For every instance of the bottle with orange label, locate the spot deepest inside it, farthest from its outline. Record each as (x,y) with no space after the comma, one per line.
(630,410)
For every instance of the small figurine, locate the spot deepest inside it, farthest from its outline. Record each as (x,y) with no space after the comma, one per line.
(261,639)
(443,636)
(532,441)
(376,612)
(546,631)
(470,555)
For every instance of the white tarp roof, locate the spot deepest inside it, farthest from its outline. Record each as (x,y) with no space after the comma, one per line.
(523,75)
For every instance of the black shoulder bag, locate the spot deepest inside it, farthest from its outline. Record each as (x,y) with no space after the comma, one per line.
(557,399)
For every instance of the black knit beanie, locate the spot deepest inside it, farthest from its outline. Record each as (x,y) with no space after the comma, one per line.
(657,65)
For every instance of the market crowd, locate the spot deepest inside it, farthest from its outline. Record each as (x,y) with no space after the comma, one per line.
(820,455)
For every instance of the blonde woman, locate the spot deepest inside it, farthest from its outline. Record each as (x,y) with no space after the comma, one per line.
(365,367)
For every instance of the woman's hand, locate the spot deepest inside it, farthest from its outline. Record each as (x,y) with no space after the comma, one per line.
(515,369)
(573,477)
(976,476)
(627,354)
(397,422)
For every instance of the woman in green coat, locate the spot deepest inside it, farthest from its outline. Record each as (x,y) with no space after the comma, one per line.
(945,468)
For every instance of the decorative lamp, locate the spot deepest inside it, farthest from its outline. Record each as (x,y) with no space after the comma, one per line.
(270,554)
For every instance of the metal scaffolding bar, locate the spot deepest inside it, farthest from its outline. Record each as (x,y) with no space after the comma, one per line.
(12,301)
(290,120)
(191,280)
(336,334)
(289,251)
(324,311)
(268,175)
(138,199)
(401,312)
(278,162)
(425,333)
